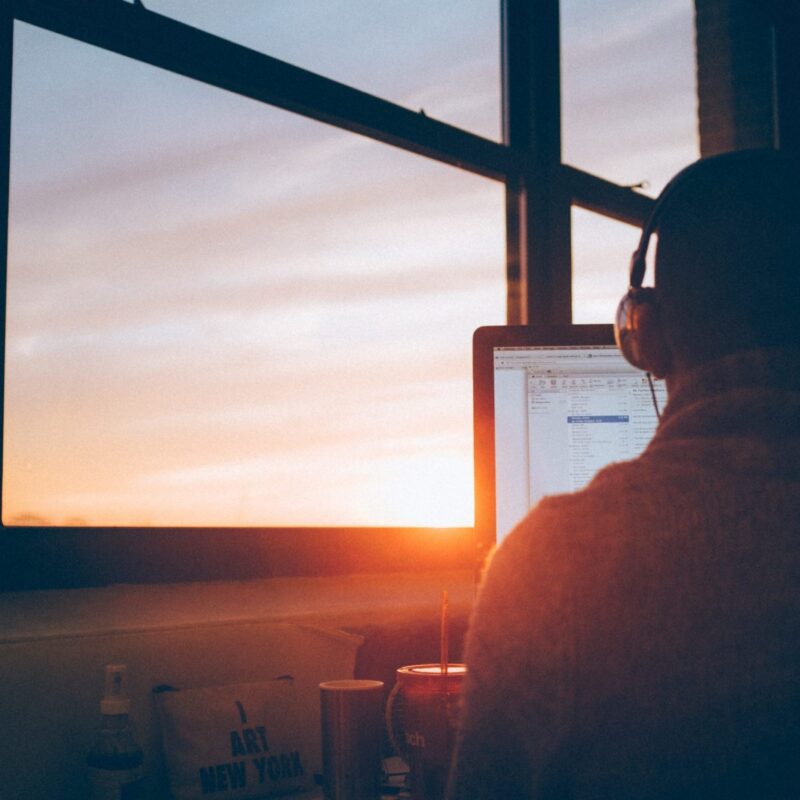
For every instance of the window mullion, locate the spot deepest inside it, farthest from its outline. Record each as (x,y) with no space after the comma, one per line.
(539,210)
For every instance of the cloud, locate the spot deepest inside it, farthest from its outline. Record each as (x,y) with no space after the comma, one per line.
(118,261)
(599,35)
(628,82)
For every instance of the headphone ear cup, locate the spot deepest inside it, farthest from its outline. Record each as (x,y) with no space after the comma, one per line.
(626,327)
(638,332)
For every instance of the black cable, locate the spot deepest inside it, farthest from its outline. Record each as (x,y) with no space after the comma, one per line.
(653,395)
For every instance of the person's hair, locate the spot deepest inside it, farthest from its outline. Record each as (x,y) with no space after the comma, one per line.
(728,256)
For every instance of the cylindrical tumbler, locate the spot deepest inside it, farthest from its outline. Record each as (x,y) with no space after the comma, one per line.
(352,730)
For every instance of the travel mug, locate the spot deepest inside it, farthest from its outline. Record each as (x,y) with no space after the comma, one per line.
(352,732)
(422,717)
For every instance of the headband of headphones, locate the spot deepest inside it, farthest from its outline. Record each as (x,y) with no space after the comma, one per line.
(638,263)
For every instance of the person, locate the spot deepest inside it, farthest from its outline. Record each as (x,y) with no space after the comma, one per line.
(640,638)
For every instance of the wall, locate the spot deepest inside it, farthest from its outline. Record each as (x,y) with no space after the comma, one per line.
(735,76)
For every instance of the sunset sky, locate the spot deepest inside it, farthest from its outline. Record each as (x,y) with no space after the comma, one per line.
(221,313)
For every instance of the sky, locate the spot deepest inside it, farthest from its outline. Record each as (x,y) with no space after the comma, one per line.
(221,313)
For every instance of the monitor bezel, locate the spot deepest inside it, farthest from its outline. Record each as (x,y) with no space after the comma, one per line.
(484,342)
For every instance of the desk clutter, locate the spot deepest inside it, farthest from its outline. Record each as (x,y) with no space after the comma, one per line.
(251,740)
(313,629)
(244,740)
(344,739)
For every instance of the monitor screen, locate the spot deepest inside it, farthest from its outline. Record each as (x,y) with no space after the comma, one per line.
(557,408)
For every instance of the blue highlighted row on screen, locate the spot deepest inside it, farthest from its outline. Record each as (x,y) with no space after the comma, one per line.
(613,418)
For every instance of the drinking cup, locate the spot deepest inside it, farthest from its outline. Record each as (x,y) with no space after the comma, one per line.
(352,728)
(422,719)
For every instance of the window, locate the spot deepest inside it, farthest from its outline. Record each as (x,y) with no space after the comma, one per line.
(629,114)
(294,229)
(223,314)
(601,251)
(629,96)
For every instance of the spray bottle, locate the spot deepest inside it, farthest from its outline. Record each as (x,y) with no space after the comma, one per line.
(115,759)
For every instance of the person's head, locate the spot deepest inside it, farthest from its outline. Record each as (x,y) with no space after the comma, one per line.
(727,267)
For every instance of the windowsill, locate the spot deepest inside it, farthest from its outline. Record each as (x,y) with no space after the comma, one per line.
(343,601)
(34,559)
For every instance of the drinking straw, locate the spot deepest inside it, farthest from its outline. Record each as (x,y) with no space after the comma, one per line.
(443,658)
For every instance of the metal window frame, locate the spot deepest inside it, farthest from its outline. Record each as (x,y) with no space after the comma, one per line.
(540,191)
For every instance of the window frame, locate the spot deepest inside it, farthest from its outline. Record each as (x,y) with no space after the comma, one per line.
(540,190)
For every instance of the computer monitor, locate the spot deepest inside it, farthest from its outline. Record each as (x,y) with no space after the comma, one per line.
(552,406)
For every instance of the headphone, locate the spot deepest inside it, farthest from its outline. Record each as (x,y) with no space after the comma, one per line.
(637,328)
(637,312)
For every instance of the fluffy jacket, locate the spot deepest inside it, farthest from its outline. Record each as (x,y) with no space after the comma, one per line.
(641,638)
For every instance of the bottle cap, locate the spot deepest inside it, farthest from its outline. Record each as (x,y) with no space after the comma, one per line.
(115,698)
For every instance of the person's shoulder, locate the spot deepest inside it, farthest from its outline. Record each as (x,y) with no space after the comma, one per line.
(564,531)
(569,546)
(581,513)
